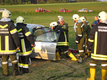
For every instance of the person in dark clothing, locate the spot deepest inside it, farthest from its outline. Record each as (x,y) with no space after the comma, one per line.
(9,42)
(26,44)
(97,42)
(62,41)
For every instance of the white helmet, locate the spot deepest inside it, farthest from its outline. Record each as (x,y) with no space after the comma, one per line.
(20,19)
(82,18)
(6,14)
(102,16)
(53,24)
(75,17)
(60,16)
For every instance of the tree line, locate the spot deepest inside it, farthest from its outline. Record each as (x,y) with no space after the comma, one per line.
(11,2)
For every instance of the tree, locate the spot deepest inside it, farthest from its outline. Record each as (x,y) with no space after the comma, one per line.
(11,2)
(6,1)
(19,1)
(1,2)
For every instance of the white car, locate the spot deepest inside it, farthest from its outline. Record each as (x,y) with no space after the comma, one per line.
(2,9)
(85,10)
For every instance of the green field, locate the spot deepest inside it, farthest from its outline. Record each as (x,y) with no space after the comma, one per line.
(45,70)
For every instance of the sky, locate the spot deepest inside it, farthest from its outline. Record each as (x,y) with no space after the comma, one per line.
(102,0)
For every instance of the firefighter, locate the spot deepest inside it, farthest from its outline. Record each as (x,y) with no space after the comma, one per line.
(59,18)
(87,30)
(97,42)
(26,45)
(65,27)
(62,41)
(80,35)
(9,42)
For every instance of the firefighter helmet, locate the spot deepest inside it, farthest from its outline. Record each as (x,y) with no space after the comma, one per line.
(6,14)
(82,18)
(102,16)
(60,17)
(75,17)
(20,19)
(53,24)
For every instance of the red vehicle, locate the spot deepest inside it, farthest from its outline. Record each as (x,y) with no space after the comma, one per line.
(41,10)
(65,10)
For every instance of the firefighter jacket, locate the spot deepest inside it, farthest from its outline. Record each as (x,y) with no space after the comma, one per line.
(98,42)
(80,31)
(26,39)
(62,41)
(65,27)
(9,40)
(87,28)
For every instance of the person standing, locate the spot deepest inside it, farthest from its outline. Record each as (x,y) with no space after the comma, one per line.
(26,45)
(59,17)
(97,42)
(80,36)
(95,22)
(87,30)
(9,42)
(65,28)
(62,40)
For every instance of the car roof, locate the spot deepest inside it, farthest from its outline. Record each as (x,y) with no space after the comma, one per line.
(34,25)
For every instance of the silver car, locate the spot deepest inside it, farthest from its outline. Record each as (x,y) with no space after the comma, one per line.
(45,44)
(85,10)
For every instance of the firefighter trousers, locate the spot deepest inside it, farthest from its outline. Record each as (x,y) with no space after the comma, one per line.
(5,63)
(24,64)
(80,47)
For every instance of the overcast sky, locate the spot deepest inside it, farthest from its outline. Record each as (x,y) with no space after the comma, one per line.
(102,0)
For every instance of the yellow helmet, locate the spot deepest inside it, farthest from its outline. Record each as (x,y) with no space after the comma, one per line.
(82,18)
(6,14)
(75,17)
(20,19)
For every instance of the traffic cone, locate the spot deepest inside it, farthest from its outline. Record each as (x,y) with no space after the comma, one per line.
(73,58)
(103,74)
(92,74)
(57,56)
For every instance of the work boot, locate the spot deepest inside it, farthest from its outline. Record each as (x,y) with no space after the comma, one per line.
(92,74)
(73,58)
(15,70)
(58,56)
(103,74)
(26,70)
(21,70)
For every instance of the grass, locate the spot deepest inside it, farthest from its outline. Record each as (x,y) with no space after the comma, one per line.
(60,70)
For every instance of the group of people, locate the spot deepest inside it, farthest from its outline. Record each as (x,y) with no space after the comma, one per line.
(15,39)
(94,40)
(19,39)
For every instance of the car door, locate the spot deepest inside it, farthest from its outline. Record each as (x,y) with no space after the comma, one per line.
(45,46)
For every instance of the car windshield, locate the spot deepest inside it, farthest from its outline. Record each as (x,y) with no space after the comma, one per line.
(48,37)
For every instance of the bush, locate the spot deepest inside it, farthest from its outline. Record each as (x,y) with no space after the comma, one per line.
(52,1)
(42,2)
